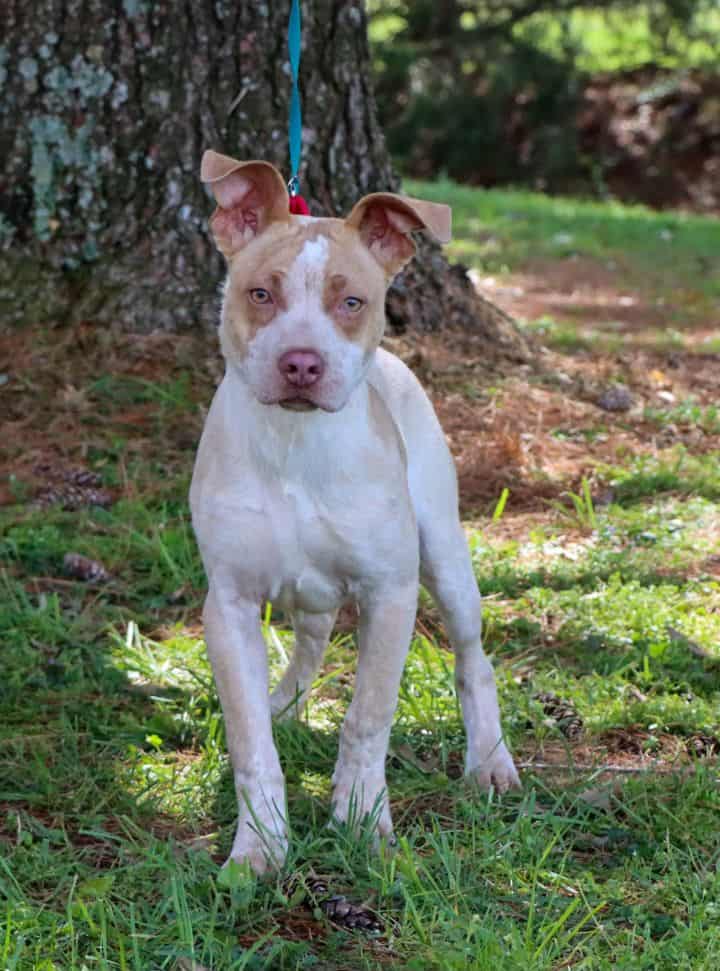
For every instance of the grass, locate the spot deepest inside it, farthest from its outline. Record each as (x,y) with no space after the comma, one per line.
(687,413)
(502,230)
(112,765)
(115,790)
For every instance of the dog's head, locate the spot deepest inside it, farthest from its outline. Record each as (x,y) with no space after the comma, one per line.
(304,304)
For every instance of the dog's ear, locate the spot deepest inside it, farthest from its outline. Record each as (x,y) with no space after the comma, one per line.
(250,196)
(385,220)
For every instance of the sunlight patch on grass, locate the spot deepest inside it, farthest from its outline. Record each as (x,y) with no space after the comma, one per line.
(176,785)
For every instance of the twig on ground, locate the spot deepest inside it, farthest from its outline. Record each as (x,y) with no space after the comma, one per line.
(619,769)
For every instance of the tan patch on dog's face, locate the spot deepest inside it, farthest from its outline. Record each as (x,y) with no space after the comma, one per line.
(351,285)
(303,307)
(310,287)
(261,266)
(354,290)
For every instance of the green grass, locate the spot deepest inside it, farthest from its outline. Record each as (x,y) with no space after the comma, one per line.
(673,255)
(686,414)
(116,798)
(112,760)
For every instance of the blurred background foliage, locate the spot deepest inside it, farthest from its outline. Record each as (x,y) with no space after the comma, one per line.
(617,98)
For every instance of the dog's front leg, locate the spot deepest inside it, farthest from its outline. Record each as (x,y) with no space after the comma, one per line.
(239,660)
(386,626)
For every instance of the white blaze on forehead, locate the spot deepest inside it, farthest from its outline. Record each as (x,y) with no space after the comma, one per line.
(304,323)
(307,270)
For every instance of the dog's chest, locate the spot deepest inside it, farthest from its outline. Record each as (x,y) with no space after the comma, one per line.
(326,549)
(307,511)
(311,590)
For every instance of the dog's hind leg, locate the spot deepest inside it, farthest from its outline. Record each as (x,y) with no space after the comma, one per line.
(312,633)
(446,571)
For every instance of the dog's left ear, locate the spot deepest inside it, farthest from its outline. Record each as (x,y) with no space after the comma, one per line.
(384,222)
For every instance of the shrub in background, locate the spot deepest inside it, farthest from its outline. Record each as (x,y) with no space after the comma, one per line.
(496,91)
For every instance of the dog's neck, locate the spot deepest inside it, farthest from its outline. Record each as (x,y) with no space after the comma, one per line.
(289,442)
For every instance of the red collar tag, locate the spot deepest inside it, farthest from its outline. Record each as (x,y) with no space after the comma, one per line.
(298,206)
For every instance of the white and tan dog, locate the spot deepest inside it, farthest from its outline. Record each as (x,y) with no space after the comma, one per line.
(323,477)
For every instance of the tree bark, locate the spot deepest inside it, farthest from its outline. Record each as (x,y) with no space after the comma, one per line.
(105,109)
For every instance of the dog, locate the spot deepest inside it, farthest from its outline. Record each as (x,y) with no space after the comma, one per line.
(323,477)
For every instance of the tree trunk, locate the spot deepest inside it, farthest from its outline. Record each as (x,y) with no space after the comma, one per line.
(105,109)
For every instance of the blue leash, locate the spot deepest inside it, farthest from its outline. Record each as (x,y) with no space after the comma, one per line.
(295,127)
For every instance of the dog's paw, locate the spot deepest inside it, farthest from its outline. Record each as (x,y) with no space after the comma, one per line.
(358,800)
(496,770)
(261,835)
(262,849)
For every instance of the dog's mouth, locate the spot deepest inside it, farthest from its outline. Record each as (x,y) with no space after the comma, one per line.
(297,404)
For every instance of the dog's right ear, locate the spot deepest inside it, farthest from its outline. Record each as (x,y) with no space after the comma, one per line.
(250,196)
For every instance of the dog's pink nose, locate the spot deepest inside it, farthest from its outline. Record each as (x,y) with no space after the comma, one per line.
(301,368)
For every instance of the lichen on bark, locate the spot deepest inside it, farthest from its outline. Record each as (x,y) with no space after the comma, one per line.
(107,107)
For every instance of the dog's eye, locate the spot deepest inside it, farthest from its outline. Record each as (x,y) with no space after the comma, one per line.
(259,295)
(353,304)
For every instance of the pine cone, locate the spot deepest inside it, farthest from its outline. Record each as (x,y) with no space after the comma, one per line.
(354,917)
(83,477)
(616,398)
(83,568)
(702,746)
(71,488)
(336,907)
(562,712)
